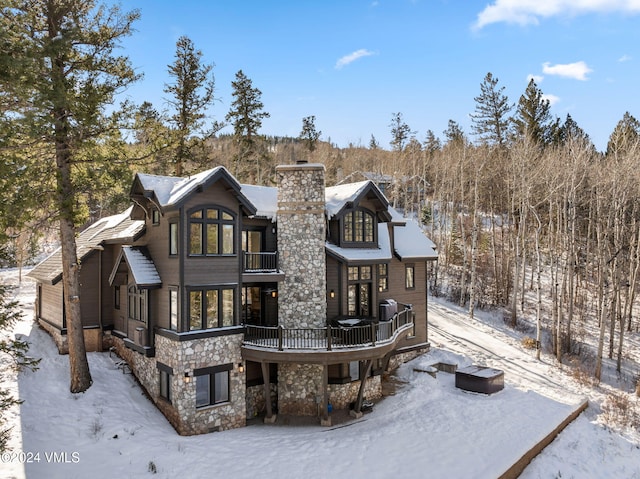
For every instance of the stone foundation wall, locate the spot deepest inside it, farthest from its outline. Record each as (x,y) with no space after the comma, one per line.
(184,357)
(58,338)
(299,389)
(399,359)
(342,395)
(255,400)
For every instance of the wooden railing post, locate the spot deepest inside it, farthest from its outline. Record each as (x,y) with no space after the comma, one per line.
(328,337)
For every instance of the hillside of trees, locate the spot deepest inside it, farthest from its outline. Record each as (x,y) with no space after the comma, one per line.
(523,202)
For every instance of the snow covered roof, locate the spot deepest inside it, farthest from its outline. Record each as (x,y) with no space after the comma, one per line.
(381,253)
(112,229)
(171,191)
(264,198)
(410,242)
(141,266)
(339,197)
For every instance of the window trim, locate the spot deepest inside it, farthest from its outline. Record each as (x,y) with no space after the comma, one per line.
(141,305)
(167,372)
(410,279)
(359,282)
(220,222)
(155,217)
(174,239)
(211,372)
(383,286)
(173,290)
(349,221)
(204,306)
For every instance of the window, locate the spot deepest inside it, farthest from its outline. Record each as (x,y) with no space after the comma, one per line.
(409,277)
(155,217)
(173,239)
(211,308)
(211,232)
(165,374)
(116,296)
(212,385)
(383,277)
(358,227)
(359,291)
(137,303)
(173,309)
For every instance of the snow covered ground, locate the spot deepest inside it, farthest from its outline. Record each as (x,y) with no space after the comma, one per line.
(427,429)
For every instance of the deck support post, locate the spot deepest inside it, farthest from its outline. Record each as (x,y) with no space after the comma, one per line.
(326,419)
(270,418)
(364,373)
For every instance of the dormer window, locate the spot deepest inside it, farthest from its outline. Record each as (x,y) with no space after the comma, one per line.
(358,227)
(211,232)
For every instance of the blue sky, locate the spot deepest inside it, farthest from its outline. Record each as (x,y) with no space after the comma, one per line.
(353,64)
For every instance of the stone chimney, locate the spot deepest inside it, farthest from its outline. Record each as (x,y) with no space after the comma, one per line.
(302,297)
(302,300)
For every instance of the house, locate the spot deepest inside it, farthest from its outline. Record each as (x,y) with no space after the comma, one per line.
(229,301)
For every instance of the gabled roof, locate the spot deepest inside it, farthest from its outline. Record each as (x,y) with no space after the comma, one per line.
(112,229)
(341,197)
(169,192)
(141,266)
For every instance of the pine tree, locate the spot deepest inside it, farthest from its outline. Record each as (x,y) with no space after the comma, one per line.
(13,353)
(533,118)
(454,133)
(400,132)
(246,115)
(65,78)
(490,122)
(192,93)
(309,135)
(625,136)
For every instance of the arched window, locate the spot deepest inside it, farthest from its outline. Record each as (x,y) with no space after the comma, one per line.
(358,227)
(211,232)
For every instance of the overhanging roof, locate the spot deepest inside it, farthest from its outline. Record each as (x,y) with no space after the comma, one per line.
(141,267)
(371,255)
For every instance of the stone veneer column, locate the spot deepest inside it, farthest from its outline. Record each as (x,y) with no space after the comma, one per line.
(302,297)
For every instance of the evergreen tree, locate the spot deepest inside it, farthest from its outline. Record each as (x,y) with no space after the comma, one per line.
(490,122)
(14,353)
(66,77)
(309,135)
(625,136)
(246,115)
(191,94)
(533,118)
(431,143)
(569,131)
(454,133)
(400,132)
(373,143)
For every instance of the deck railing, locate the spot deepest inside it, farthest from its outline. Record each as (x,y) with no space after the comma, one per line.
(262,262)
(330,337)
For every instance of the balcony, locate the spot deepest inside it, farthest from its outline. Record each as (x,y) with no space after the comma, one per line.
(261,266)
(328,345)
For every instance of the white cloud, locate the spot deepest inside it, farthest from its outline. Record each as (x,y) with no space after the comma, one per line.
(552,99)
(524,12)
(536,78)
(624,58)
(577,70)
(352,57)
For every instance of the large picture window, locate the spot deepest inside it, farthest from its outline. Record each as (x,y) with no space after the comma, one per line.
(358,227)
(212,385)
(211,308)
(211,232)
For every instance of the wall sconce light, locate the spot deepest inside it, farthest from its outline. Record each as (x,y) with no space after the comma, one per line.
(187,378)
(332,294)
(241,367)
(274,294)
